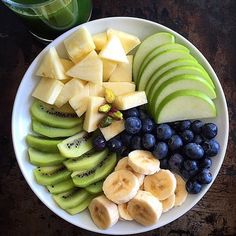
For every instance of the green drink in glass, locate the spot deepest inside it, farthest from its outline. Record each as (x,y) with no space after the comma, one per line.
(47,19)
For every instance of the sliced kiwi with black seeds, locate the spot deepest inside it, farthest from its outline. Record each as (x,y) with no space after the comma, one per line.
(61,187)
(71,198)
(51,175)
(76,145)
(39,158)
(85,178)
(95,188)
(87,161)
(43,144)
(53,116)
(54,132)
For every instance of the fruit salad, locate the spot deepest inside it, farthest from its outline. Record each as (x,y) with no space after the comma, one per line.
(117,126)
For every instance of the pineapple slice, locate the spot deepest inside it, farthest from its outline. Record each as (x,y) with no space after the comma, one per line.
(48,90)
(112,130)
(119,88)
(51,66)
(130,100)
(108,68)
(89,69)
(123,71)
(96,90)
(128,41)
(82,106)
(92,116)
(100,40)
(69,90)
(67,64)
(79,44)
(113,50)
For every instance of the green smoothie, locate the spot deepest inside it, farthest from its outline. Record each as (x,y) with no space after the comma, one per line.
(48,19)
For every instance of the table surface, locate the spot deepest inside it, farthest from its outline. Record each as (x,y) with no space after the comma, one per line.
(211,26)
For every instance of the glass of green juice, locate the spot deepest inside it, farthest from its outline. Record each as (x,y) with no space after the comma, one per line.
(47,19)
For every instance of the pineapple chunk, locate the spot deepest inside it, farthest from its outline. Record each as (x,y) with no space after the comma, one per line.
(67,64)
(79,44)
(123,72)
(130,100)
(100,40)
(51,66)
(112,130)
(96,90)
(69,90)
(128,41)
(48,90)
(92,116)
(108,68)
(120,88)
(82,106)
(89,69)
(113,50)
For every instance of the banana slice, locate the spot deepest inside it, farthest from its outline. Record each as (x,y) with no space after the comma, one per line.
(120,186)
(162,184)
(168,203)
(143,162)
(104,213)
(141,187)
(123,212)
(123,165)
(145,208)
(180,191)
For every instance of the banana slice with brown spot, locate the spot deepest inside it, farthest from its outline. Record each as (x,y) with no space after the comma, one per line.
(120,186)
(180,191)
(162,184)
(123,212)
(168,203)
(143,162)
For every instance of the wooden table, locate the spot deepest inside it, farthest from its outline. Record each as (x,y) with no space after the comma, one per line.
(211,26)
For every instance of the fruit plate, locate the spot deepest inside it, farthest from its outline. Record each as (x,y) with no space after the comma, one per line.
(21,124)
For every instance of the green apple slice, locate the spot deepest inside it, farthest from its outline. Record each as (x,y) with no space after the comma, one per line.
(179,83)
(182,70)
(158,50)
(185,104)
(147,46)
(159,60)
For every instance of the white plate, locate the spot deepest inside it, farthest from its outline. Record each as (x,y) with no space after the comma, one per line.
(21,124)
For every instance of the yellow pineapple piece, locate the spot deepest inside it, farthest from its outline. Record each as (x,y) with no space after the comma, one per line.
(108,68)
(100,40)
(119,88)
(114,129)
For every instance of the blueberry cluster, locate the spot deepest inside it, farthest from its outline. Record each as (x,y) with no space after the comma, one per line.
(185,147)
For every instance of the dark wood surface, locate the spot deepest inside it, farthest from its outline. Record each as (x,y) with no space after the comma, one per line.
(211,26)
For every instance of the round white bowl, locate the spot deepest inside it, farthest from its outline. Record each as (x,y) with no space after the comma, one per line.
(21,124)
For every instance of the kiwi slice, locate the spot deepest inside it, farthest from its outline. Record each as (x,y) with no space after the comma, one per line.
(42,144)
(53,116)
(54,132)
(51,175)
(39,158)
(71,198)
(61,187)
(76,145)
(85,178)
(95,188)
(81,207)
(87,161)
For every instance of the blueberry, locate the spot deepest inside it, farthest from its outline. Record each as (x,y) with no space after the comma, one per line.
(164,164)
(187,174)
(133,125)
(196,126)
(175,162)
(160,150)
(204,177)
(183,125)
(147,125)
(125,152)
(193,151)
(211,147)
(190,165)
(143,114)
(133,112)
(193,187)
(175,125)
(126,138)
(209,130)
(175,142)
(198,139)
(136,143)
(99,143)
(148,141)
(205,163)
(187,136)
(114,145)
(163,132)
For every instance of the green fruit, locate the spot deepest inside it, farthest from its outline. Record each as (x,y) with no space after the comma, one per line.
(95,188)
(85,178)
(87,161)
(53,116)
(76,145)
(61,187)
